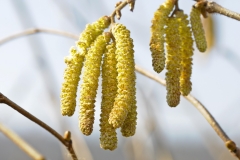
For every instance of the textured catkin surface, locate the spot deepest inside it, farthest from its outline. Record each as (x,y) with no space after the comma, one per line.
(71,78)
(90,83)
(126,75)
(198,31)
(157,37)
(108,135)
(173,62)
(186,53)
(93,30)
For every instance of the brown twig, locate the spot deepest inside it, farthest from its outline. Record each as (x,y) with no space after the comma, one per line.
(65,142)
(203,110)
(21,143)
(206,114)
(213,7)
(176,9)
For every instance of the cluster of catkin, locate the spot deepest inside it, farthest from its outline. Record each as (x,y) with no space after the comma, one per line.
(112,55)
(173,34)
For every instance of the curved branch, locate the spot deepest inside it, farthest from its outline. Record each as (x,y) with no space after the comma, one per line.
(200,107)
(66,142)
(21,143)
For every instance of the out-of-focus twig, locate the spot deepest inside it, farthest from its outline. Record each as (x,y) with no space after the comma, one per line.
(21,143)
(34,31)
(67,142)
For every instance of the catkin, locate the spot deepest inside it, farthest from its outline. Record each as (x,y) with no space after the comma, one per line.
(157,37)
(173,62)
(90,83)
(93,30)
(125,78)
(186,53)
(108,135)
(71,78)
(198,31)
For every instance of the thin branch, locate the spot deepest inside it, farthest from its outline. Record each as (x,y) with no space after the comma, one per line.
(213,7)
(117,9)
(203,110)
(176,9)
(65,142)
(37,30)
(21,143)
(207,115)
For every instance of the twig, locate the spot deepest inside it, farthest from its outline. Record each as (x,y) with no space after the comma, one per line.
(37,30)
(207,115)
(66,142)
(213,7)
(203,110)
(176,9)
(21,143)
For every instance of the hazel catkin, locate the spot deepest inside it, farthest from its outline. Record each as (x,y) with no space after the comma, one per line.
(125,78)
(197,28)
(157,37)
(71,78)
(108,135)
(90,83)
(173,62)
(186,52)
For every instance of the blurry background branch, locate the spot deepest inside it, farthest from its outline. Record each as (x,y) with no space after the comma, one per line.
(66,141)
(21,143)
(207,115)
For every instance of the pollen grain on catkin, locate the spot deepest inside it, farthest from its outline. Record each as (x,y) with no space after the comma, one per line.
(197,28)
(90,82)
(108,135)
(157,35)
(186,53)
(126,75)
(71,78)
(173,62)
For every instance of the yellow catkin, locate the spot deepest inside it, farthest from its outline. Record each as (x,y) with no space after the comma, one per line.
(126,75)
(108,135)
(90,83)
(197,28)
(157,37)
(173,62)
(71,78)
(93,30)
(186,53)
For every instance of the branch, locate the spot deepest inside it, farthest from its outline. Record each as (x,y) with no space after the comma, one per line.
(207,115)
(65,141)
(203,110)
(21,143)
(213,7)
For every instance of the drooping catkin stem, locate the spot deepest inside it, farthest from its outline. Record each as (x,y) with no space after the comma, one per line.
(108,135)
(186,53)
(90,83)
(157,37)
(126,73)
(173,62)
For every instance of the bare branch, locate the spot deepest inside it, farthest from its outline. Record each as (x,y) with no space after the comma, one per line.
(200,107)
(66,142)
(21,143)
(213,7)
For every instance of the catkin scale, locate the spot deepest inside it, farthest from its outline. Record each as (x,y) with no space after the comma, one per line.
(186,51)
(125,78)
(173,62)
(90,83)
(157,37)
(198,31)
(108,135)
(71,78)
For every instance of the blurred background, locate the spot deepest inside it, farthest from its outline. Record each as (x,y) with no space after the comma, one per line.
(31,73)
